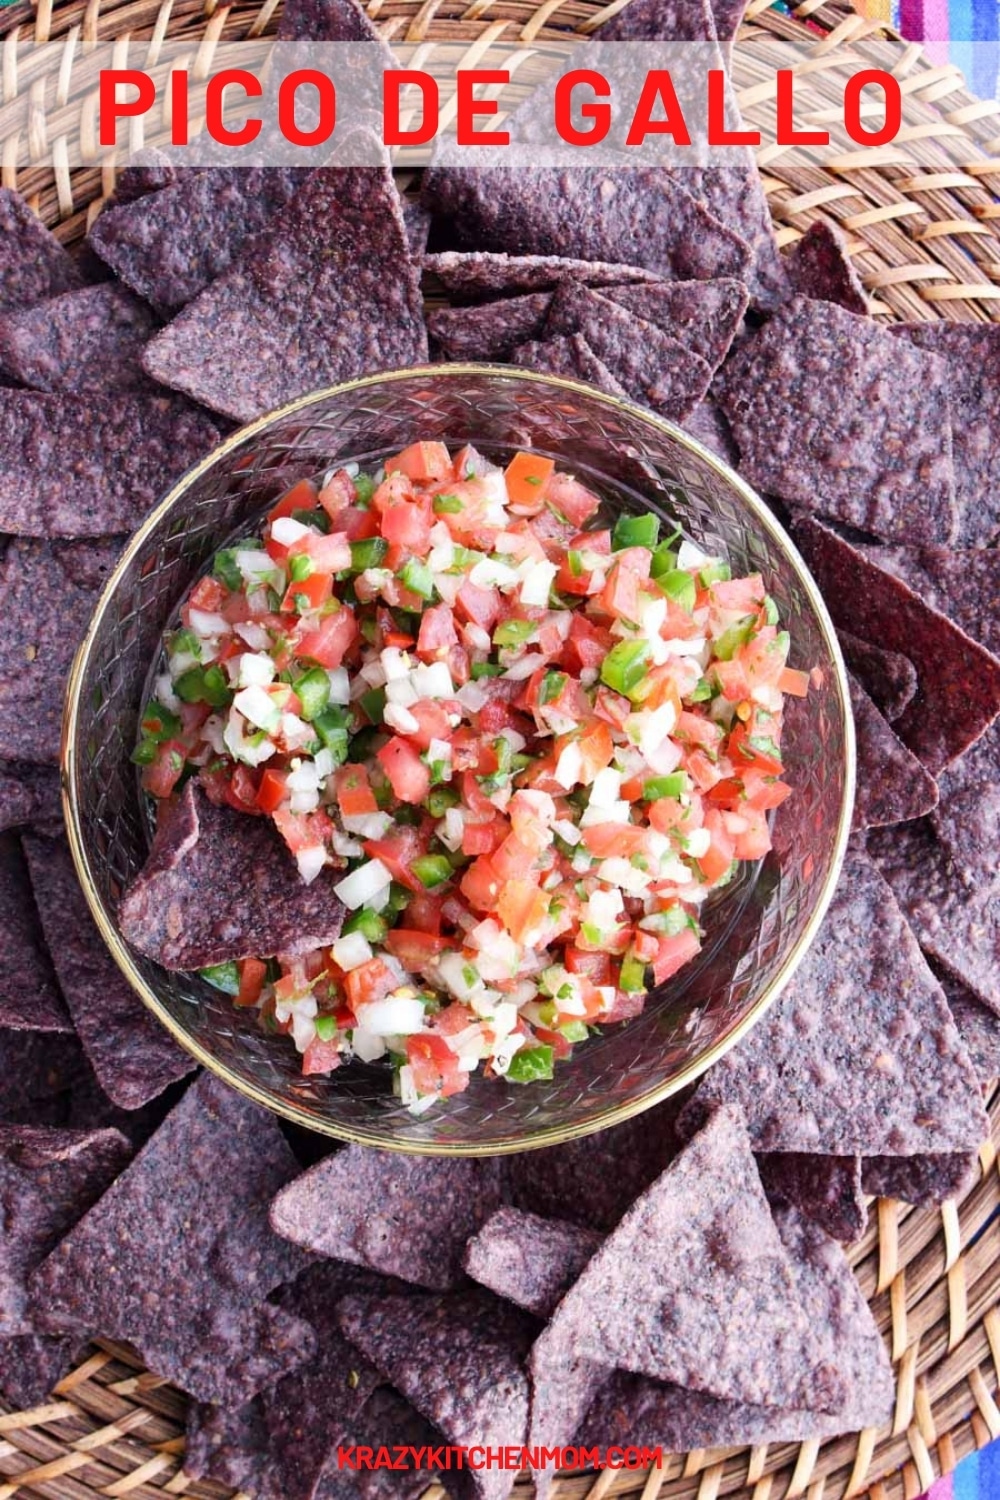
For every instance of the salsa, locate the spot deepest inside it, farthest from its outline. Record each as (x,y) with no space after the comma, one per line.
(533,743)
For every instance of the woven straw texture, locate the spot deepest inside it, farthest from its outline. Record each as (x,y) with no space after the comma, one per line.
(923,221)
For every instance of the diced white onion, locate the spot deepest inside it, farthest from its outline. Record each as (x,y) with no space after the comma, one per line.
(357,888)
(392,1016)
(433,681)
(258,708)
(310,861)
(255,670)
(340,685)
(399,718)
(352,951)
(537,583)
(286,530)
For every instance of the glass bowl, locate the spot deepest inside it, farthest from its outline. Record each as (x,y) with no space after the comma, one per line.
(756,935)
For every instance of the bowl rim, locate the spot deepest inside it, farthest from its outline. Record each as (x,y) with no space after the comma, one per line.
(300,1115)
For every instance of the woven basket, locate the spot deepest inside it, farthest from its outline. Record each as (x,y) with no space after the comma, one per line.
(923,219)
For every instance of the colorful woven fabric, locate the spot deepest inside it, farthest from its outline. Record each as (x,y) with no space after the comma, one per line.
(965,32)
(976,1478)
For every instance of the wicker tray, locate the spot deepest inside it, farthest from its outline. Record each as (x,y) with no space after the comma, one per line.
(923,220)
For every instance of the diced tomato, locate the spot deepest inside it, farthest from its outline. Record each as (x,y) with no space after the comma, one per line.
(407,524)
(338,494)
(755,840)
(560,1046)
(596,749)
(162,775)
(415,950)
(480,884)
(302,496)
(252,974)
(355,797)
(732,680)
(208,594)
(513,859)
(609,840)
(751,757)
(432,723)
(330,554)
(673,953)
(424,912)
(368,982)
(594,966)
(421,461)
(764,793)
(302,830)
(483,838)
(357,524)
(571,499)
(644,945)
(409,778)
(481,606)
(434,1066)
(330,642)
(437,633)
(397,851)
(704,772)
(793,682)
(526,476)
(522,908)
(242,790)
(320,1057)
(271,792)
(454,1018)
(308,593)
(626,1005)
(715,862)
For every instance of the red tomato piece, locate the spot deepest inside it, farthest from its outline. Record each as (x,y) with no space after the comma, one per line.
(437,633)
(302,496)
(368,982)
(571,499)
(593,966)
(302,830)
(252,974)
(308,594)
(330,554)
(271,792)
(397,851)
(408,776)
(480,885)
(330,642)
(421,461)
(415,950)
(337,495)
(162,775)
(434,1066)
(673,953)
(320,1057)
(432,723)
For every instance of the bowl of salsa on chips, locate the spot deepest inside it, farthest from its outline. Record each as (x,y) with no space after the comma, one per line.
(459,760)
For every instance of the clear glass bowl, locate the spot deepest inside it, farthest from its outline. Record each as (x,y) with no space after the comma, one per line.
(756,935)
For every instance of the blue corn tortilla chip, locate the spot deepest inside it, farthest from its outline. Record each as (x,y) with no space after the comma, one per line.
(188,1253)
(978,1026)
(120,452)
(570,356)
(695,1287)
(417,223)
(921,1180)
(146,171)
(50,590)
(31,1365)
(528,1260)
(48,1181)
(971,356)
(893,786)
(826,1189)
(654,367)
(220,885)
(33,264)
(85,341)
(30,797)
(831,414)
(168,245)
(708,424)
(958,692)
(819,266)
(387,1419)
(635,1409)
(477,275)
(371,1208)
(37,1071)
(888,677)
(132,1055)
(29,994)
(960,582)
(704,316)
(639,216)
(490,331)
(859,1055)
(459,1360)
(660,20)
(252,342)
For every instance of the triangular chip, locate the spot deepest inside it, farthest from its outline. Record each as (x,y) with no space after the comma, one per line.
(893,786)
(888,677)
(123,452)
(490,331)
(187,1254)
(978,1026)
(530,1261)
(50,590)
(859,1054)
(325,21)
(653,366)
(660,20)
(470,276)
(971,355)
(370,1207)
(704,316)
(167,246)
(708,424)
(33,264)
(921,1180)
(459,1360)
(826,1189)
(37,1070)
(960,582)
(131,1053)
(695,1287)
(958,694)
(82,341)
(29,994)
(220,885)
(253,341)
(820,267)
(832,414)
(568,355)
(30,797)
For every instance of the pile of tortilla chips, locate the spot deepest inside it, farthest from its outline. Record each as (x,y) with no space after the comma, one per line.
(678,1281)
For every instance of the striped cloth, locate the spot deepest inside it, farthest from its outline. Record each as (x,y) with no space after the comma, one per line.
(965,32)
(976,1478)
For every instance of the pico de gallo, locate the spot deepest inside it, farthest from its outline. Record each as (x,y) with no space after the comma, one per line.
(529,743)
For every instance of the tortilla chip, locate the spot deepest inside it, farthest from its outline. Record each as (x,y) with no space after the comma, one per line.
(168,245)
(660,21)
(252,342)
(920,1180)
(279,1443)
(490,331)
(147,171)
(30,797)
(624,215)
(29,994)
(832,414)
(32,1365)
(978,1026)
(570,356)
(325,21)
(820,267)
(956,923)
(960,582)
(131,1053)
(958,691)
(893,786)
(528,1260)
(33,264)
(86,341)
(417,223)
(636,1410)
(220,885)
(704,316)
(708,424)
(653,366)
(48,1181)
(734,194)
(189,1256)
(470,276)
(826,1189)
(388,1419)
(122,452)
(728,16)
(859,1055)
(50,590)
(971,355)
(888,677)
(458,1359)
(371,1208)
(37,1069)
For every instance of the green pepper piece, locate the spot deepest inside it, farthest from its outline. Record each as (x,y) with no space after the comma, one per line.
(300,567)
(636,531)
(432,870)
(439,799)
(633,975)
(574,1031)
(485,669)
(368,553)
(225,570)
(373,703)
(514,632)
(665,786)
(159,723)
(552,686)
(730,641)
(679,586)
(317,519)
(371,925)
(417,577)
(625,666)
(717,572)
(224,977)
(326,1028)
(364,489)
(447,505)
(313,691)
(531,1065)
